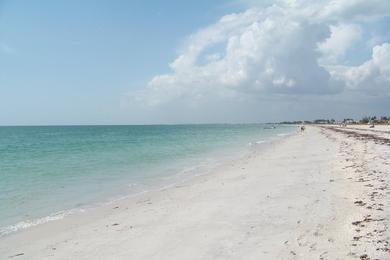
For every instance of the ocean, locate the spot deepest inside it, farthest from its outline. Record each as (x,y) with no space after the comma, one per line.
(47,172)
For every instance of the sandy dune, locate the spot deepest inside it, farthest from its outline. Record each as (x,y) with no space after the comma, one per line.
(322,194)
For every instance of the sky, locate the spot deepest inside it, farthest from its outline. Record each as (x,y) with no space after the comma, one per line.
(166,62)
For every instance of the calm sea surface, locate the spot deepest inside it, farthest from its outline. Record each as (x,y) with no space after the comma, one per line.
(46,171)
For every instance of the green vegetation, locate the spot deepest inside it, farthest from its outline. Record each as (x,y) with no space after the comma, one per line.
(383,120)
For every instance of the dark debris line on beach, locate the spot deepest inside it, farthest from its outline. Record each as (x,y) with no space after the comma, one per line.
(371,229)
(360,136)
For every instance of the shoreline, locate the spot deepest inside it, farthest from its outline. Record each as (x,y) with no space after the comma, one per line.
(163,183)
(295,199)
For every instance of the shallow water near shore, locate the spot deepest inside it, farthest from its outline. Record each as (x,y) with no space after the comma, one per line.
(48,171)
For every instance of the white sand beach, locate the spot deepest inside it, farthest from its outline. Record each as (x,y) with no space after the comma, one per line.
(321,194)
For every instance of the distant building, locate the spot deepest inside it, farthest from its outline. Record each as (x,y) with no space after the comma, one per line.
(349,121)
(321,121)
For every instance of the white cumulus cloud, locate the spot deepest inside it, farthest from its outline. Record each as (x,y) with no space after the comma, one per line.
(373,76)
(342,37)
(288,48)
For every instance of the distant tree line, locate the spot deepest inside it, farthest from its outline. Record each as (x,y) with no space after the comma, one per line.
(364,120)
(375,120)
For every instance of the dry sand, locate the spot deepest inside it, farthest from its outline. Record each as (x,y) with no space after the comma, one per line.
(321,194)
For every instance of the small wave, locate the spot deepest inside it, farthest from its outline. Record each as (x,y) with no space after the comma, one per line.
(283,134)
(30,223)
(257,142)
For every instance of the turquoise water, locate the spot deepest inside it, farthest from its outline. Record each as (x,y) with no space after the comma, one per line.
(48,169)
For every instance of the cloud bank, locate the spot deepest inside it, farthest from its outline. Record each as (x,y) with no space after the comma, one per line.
(276,54)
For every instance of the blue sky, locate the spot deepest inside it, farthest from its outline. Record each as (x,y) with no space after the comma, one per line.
(71,61)
(130,62)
